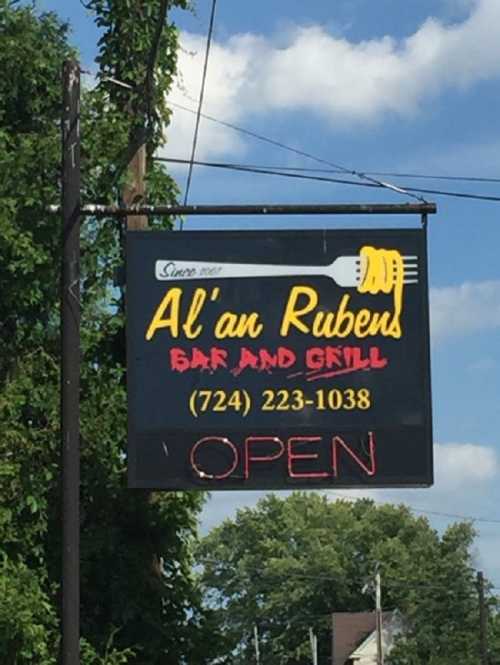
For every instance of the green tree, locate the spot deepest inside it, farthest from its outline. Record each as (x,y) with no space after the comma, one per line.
(140,602)
(287,564)
(494,631)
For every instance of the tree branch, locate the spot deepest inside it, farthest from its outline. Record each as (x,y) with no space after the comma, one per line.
(153,57)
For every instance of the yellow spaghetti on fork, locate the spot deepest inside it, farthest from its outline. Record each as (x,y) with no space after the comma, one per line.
(382,271)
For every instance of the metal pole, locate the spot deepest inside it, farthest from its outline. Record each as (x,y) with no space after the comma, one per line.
(264,209)
(70,365)
(313,640)
(483,641)
(256,644)
(378,618)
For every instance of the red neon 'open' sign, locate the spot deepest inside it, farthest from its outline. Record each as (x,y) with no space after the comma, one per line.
(289,451)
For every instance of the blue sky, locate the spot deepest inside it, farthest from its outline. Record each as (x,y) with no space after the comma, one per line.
(386,86)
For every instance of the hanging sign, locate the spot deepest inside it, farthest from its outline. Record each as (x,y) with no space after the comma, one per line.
(278,360)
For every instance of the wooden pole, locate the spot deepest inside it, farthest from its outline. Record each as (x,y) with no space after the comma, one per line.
(135,188)
(70,365)
(483,639)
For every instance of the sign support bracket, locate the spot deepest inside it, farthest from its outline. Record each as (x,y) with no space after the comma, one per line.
(262,209)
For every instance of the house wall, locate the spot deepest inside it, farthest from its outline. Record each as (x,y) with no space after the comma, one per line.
(366,653)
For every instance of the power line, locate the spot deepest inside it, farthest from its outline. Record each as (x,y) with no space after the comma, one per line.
(434,513)
(343,169)
(393,174)
(308,155)
(263,171)
(254,135)
(200,104)
(332,578)
(300,176)
(470,518)
(426,176)
(268,577)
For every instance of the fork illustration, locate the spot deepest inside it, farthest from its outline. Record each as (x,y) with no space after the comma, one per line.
(346,271)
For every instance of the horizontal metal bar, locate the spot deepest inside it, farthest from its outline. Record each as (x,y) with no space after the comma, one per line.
(259,209)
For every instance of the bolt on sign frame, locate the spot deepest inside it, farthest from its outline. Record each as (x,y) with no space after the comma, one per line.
(278,449)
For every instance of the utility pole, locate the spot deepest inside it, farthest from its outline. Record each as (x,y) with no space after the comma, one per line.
(313,639)
(378,618)
(70,365)
(134,190)
(256,644)
(483,640)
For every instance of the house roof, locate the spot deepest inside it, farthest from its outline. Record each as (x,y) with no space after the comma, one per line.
(349,630)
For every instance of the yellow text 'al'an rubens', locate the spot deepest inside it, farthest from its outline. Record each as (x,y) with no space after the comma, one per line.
(383,273)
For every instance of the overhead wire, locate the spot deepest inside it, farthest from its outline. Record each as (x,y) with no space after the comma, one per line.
(427,176)
(254,135)
(393,174)
(320,160)
(266,576)
(200,105)
(343,169)
(434,513)
(300,176)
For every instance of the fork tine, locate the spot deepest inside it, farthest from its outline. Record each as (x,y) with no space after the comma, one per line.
(358,259)
(407,261)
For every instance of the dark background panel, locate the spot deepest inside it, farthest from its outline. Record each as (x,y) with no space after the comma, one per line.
(158,397)
(400,459)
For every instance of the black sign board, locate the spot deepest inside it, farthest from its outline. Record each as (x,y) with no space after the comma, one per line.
(278,360)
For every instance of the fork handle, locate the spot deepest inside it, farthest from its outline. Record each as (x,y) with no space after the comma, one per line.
(173,270)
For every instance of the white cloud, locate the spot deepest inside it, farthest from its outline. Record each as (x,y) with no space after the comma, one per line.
(457,466)
(464,309)
(315,71)
(463,464)
(226,76)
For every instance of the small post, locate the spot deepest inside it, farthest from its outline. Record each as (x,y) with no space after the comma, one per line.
(313,639)
(483,640)
(70,365)
(378,618)
(256,644)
